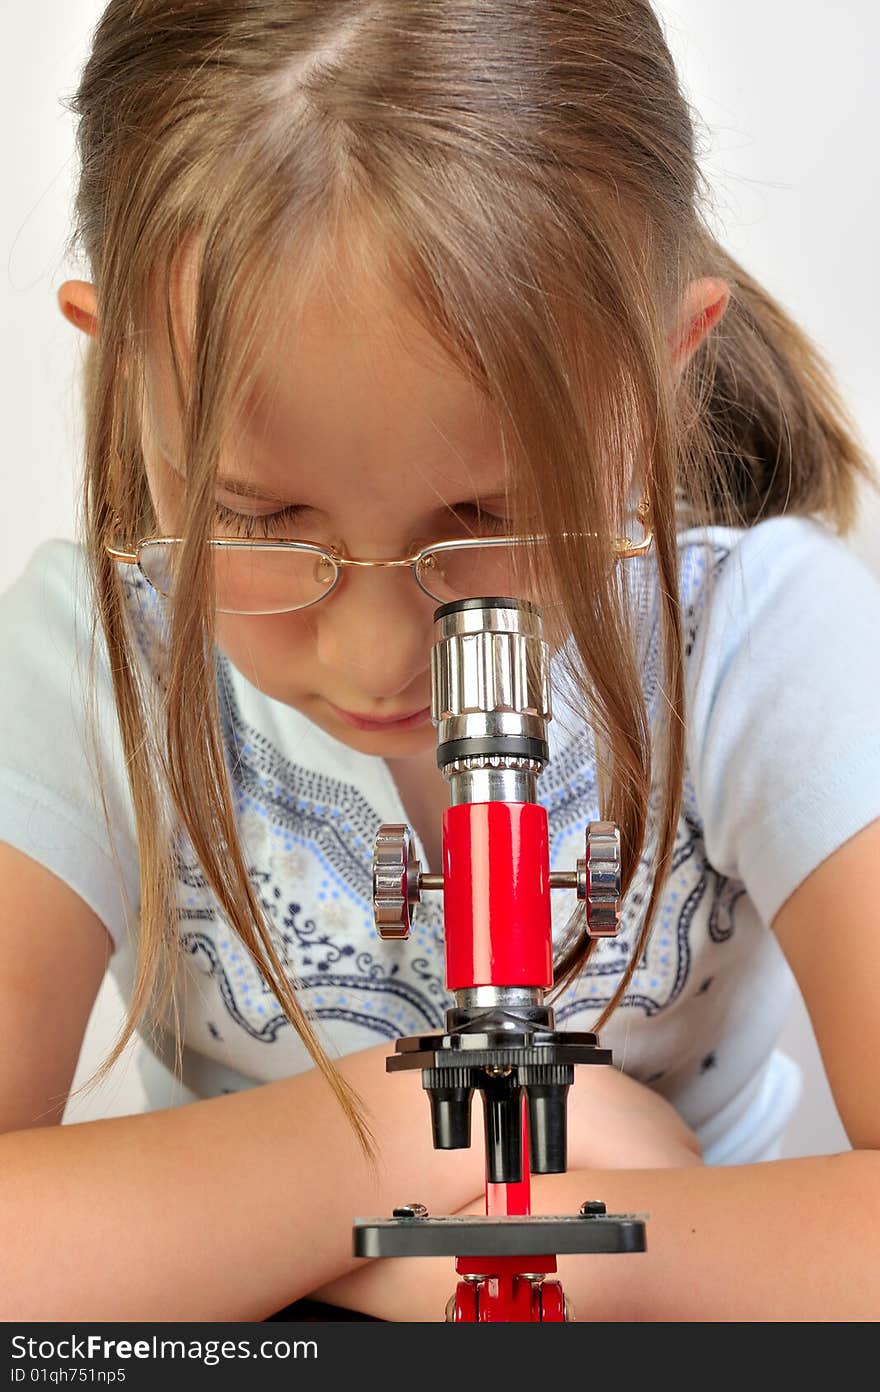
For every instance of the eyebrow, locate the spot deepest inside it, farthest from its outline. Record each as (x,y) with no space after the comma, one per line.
(242,488)
(248,490)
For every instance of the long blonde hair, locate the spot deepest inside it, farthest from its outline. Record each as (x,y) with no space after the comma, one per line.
(526,177)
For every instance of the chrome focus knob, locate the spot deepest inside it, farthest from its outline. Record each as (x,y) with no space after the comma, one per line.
(598,879)
(396,876)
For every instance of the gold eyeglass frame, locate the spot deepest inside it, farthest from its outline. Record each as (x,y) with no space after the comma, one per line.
(624,548)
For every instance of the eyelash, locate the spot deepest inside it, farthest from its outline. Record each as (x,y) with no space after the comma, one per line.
(250,524)
(267,524)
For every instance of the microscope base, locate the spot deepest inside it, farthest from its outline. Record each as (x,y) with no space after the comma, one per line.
(524,1235)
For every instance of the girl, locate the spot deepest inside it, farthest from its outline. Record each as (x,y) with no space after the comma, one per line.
(372,276)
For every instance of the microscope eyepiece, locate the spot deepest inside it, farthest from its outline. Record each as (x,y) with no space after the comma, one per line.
(490,682)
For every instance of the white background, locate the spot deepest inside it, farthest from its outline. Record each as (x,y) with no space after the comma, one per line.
(786,96)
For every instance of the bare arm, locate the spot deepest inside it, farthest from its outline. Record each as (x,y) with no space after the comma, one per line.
(788,1240)
(226,1209)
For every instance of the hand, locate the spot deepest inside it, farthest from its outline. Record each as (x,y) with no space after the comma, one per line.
(616,1123)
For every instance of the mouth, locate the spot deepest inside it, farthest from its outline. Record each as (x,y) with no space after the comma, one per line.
(404,722)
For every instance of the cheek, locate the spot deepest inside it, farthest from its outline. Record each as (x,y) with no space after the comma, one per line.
(273,651)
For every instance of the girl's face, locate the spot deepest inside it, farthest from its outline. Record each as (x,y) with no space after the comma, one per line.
(380,445)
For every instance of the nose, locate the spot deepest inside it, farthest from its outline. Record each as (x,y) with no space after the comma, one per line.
(375,632)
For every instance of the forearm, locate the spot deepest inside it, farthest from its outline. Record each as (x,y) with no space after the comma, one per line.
(788,1240)
(226,1209)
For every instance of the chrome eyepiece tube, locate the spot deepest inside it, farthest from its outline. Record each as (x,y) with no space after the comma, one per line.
(490,680)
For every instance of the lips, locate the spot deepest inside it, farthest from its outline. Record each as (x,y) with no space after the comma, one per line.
(363,722)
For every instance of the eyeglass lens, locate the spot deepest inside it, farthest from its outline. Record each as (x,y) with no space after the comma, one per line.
(254,579)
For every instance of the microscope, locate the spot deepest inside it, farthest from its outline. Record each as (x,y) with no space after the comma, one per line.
(491,705)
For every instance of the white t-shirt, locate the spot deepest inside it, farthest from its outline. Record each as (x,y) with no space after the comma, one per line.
(783,767)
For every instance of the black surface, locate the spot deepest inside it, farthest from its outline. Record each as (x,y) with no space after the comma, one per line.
(513,746)
(532,1235)
(430,1051)
(318,1311)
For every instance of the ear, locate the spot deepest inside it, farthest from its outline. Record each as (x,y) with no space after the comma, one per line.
(78,303)
(704,306)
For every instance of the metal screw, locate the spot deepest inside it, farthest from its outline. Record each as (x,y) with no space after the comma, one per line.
(592,1207)
(410,1210)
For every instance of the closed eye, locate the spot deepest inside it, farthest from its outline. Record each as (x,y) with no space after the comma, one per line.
(271,524)
(251,524)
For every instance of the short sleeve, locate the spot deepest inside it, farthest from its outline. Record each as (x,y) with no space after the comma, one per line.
(50,806)
(783,690)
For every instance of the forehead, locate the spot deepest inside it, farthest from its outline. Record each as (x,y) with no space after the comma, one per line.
(352,375)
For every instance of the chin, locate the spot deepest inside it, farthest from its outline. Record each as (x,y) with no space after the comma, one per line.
(390,746)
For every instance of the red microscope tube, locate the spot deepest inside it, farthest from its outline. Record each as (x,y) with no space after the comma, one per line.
(496,892)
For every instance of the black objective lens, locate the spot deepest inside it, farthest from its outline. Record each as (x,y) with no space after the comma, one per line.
(450,1091)
(502,1109)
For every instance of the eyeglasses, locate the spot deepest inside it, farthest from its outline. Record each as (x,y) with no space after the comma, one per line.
(277,576)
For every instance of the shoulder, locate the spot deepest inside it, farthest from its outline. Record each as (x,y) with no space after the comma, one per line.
(57,710)
(46,632)
(783,670)
(56,570)
(770,553)
(787,588)
(48,613)
(45,610)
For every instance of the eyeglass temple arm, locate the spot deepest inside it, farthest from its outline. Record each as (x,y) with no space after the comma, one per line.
(114,552)
(126,557)
(625,546)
